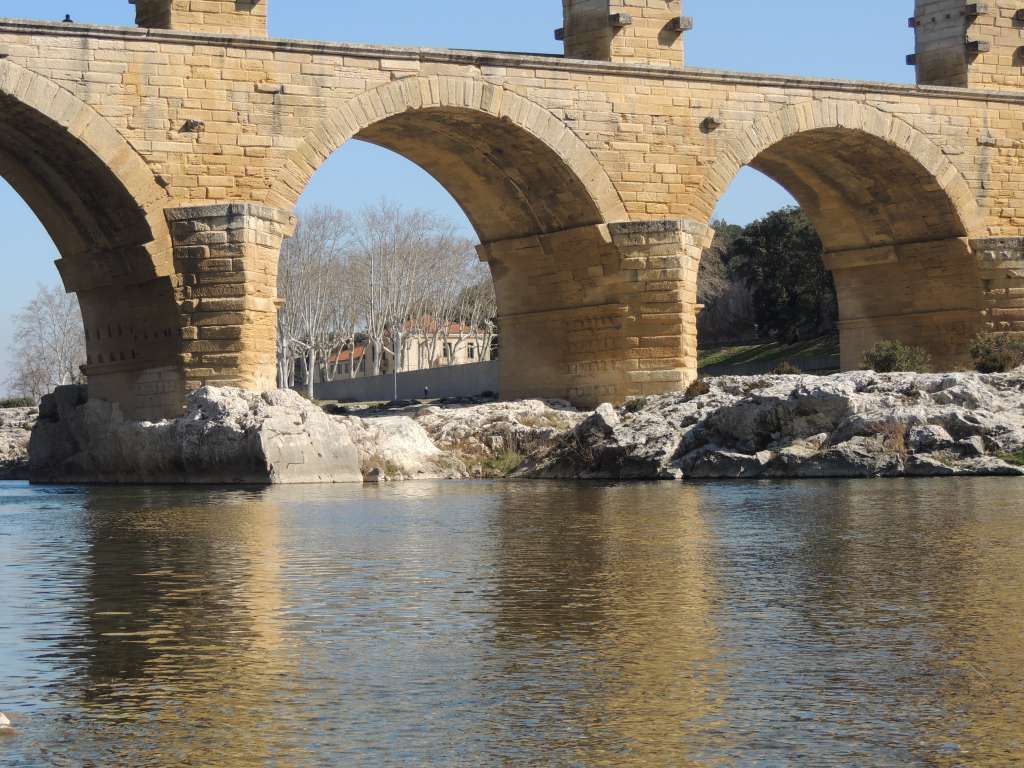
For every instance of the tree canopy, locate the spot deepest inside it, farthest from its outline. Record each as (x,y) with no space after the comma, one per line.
(778,261)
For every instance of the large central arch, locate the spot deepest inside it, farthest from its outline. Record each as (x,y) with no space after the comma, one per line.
(103,209)
(536,195)
(894,216)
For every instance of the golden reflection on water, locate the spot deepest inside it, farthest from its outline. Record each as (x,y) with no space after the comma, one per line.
(185,629)
(516,624)
(628,583)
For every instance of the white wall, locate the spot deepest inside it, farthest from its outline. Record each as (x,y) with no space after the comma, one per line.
(449,381)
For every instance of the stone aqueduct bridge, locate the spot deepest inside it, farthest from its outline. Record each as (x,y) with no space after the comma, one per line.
(166,161)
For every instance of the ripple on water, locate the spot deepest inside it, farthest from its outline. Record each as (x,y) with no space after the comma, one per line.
(812,623)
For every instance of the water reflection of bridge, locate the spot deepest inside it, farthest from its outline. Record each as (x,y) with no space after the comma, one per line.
(628,625)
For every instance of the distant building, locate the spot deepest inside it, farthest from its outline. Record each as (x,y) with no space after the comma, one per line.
(423,348)
(347,358)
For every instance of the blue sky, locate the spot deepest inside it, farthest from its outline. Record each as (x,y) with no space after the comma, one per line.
(803,37)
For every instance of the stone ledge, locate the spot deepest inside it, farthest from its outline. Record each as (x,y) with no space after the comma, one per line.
(861,257)
(594,310)
(658,227)
(229,211)
(952,314)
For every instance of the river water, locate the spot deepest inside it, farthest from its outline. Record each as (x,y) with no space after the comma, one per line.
(874,623)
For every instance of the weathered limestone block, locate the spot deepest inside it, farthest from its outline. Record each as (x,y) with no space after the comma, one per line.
(235,17)
(1001,268)
(226,436)
(598,313)
(660,262)
(226,258)
(627,31)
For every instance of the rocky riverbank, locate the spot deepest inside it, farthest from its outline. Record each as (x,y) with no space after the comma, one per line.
(859,424)
(458,441)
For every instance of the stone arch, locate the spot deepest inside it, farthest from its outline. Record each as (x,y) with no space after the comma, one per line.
(104,210)
(539,201)
(535,175)
(45,131)
(893,213)
(752,143)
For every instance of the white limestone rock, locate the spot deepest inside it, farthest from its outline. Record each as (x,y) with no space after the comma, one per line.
(456,441)
(225,436)
(858,424)
(398,448)
(483,438)
(15,431)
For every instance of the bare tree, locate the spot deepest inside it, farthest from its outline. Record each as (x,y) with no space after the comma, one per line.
(478,311)
(48,348)
(385,275)
(315,286)
(399,259)
(453,267)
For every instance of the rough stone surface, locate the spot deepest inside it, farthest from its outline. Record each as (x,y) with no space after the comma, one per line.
(398,448)
(226,436)
(458,441)
(15,430)
(860,424)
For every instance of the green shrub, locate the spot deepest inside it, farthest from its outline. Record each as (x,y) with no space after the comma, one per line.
(997,352)
(502,465)
(893,356)
(697,388)
(18,402)
(786,368)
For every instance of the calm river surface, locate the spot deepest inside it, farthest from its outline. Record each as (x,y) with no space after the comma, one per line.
(515,624)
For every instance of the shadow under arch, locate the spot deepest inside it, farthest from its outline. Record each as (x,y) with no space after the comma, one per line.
(103,208)
(894,216)
(513,167)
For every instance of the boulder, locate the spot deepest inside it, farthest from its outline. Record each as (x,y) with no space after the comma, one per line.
(490,439)
(398,448)
(225,436)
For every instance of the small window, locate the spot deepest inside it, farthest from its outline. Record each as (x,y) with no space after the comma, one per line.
(471,352)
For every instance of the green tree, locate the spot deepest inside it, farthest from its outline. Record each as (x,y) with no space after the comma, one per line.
(779,258)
